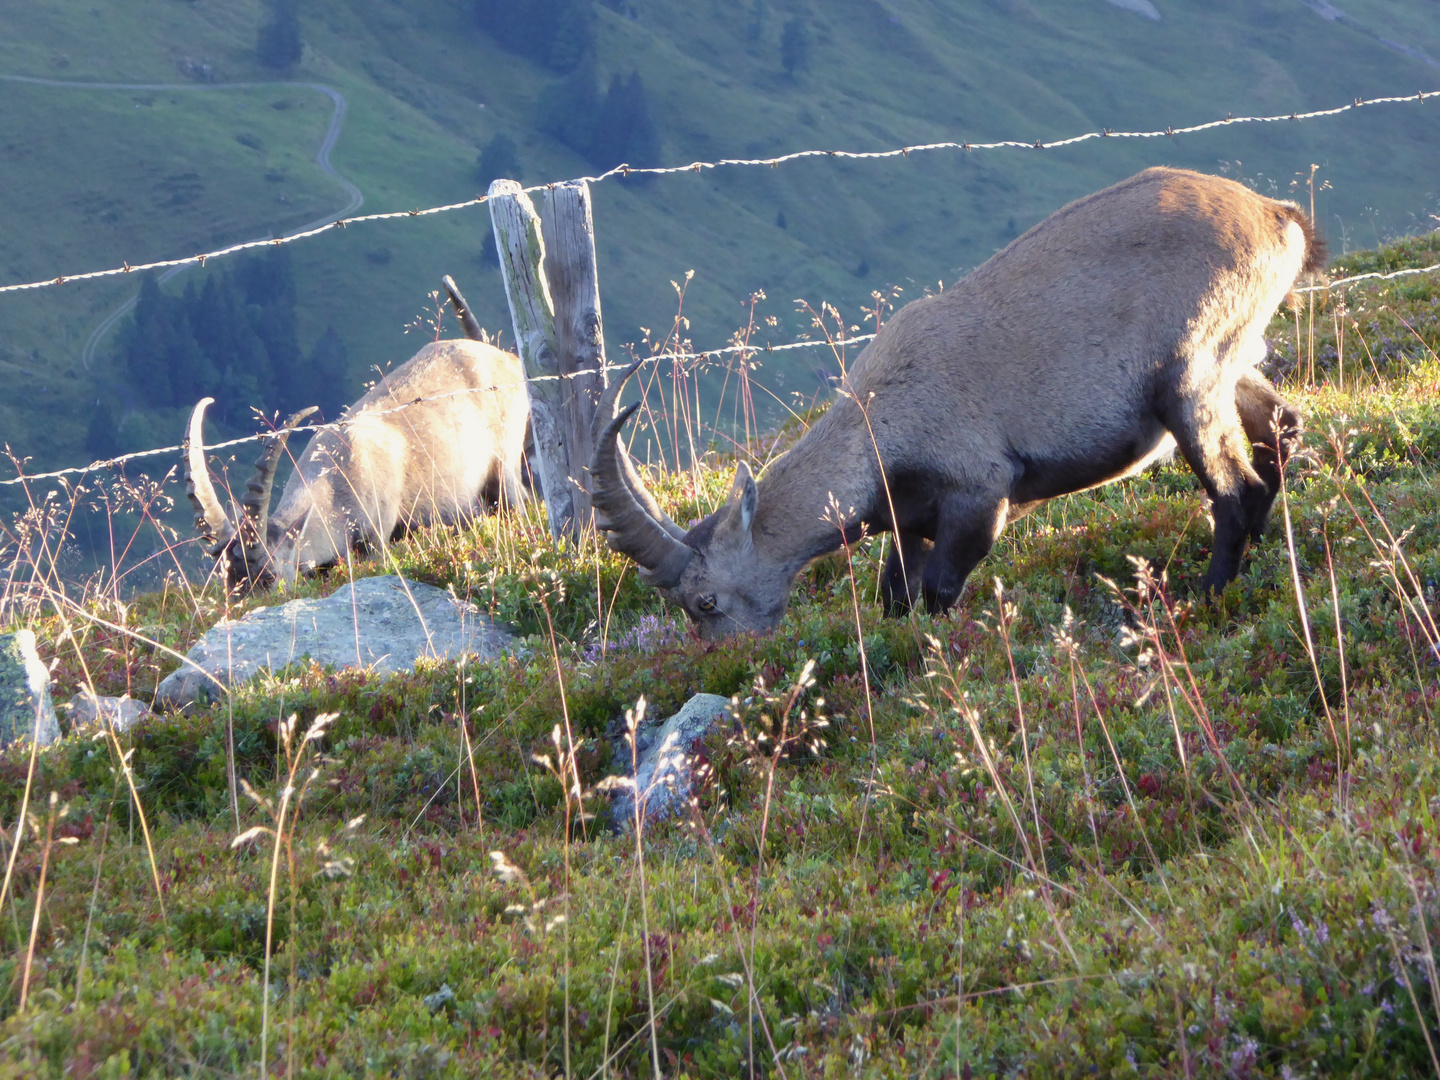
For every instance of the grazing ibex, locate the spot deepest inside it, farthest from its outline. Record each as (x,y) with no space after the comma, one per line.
(1124,324)
(435,440)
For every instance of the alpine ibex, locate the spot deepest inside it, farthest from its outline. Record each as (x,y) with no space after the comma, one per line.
(435,440)
(1125,324)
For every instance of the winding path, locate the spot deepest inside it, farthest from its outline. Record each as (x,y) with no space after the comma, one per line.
(322,158)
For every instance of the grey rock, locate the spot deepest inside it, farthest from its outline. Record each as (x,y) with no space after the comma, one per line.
(665,753)
(383,624)
(120,713)
(442,998)
(25,704)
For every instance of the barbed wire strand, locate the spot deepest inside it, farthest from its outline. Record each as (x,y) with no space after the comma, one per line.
(698,166)
(626,170)
(370,414)
(1377,276)
(336,425)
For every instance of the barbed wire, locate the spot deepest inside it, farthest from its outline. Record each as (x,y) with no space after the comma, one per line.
(626,170)
(370,414)
(336,425)
(699,166)
(233,249)
(1376,276)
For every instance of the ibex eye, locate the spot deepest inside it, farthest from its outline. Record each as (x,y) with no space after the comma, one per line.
(705,602)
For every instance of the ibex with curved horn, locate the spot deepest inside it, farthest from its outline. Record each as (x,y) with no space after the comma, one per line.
(435,440)
(1123,325)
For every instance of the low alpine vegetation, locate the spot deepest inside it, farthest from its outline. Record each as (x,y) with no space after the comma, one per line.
(1087,823)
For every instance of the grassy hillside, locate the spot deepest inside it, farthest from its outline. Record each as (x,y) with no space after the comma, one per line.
(1066,831)
(97,177)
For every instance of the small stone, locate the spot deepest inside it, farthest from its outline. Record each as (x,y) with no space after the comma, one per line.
(383,624)
(440,999)
(663,771)
(120,713)
(25,704)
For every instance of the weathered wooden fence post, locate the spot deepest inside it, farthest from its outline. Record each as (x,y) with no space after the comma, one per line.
(569,232)
(554,294)
(521,247)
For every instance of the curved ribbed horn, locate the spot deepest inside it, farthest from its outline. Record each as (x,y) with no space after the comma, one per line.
(211,522)
(256,500)
(605,412)
(462,312)
(633,530)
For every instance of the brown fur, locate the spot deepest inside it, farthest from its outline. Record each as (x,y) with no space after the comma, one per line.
(1126,323)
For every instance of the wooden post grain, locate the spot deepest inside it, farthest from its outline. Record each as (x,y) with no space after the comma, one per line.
(568,231)
(521,248)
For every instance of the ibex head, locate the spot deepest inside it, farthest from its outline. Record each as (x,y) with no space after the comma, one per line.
(255,552)
(715,571)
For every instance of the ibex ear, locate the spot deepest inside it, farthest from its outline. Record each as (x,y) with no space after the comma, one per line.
(744,498)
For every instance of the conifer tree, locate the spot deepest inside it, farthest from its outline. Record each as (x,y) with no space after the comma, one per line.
(499,159)
(102,434)
(145,344)
(644,142)
(278,44)
(268,284)
(626,131)
(233,338)
(503,20)
(755,21)
(568,109)
(191,374)
(556,33)
(572,34)
(328,370)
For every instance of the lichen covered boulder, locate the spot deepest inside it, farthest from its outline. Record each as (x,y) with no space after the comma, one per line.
(664,760)
(382,624)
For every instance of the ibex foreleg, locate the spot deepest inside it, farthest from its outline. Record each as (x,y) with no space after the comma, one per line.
(904,569)
(966,531)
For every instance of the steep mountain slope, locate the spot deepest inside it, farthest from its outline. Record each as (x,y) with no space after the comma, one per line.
(95,177)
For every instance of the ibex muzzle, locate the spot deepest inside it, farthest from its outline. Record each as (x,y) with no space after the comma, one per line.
(436,440)
(1123,325)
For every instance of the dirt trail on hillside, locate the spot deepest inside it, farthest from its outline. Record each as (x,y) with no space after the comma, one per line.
(355,198)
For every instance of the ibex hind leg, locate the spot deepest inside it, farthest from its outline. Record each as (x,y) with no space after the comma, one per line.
(1217,449)
(968,527)
(1274,428)
(904,568)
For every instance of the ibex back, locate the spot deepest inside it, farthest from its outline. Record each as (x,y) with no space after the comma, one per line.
(1123,325)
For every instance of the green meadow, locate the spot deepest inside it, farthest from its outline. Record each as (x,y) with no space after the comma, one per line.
(1088,824)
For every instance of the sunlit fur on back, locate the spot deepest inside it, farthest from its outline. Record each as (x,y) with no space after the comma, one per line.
(1124,324)
(434,441)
